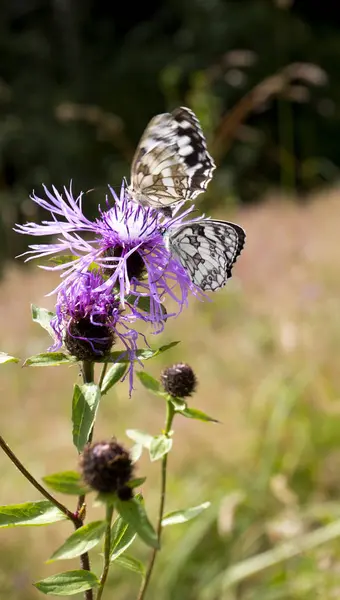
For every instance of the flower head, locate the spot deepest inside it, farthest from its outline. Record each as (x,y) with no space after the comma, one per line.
(107,467)
(179,380)
(127,245)
(88,321)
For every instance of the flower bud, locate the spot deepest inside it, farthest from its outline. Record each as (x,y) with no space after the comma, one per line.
(179,380)
(107,467)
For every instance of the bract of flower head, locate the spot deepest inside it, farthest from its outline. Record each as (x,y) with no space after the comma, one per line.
(127,245)
(89,321)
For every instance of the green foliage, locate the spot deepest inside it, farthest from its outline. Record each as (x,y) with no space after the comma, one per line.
(159,446)
(194,413)
(67,583)
(133,513)
(122,536)
(41,512)
(132,564)
(6,358)
(82,540)
(49,359)
(43,317)
(85,404)
(114,374)
(182,516)
(66,482)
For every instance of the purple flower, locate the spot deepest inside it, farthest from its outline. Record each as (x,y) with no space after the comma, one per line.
(88,321)
(126,243)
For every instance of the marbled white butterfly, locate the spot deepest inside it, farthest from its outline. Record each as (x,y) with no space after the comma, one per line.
(171,163)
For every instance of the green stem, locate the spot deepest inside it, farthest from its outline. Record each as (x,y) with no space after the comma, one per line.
(88,377)
(107,548)
(168,424)
(70,515)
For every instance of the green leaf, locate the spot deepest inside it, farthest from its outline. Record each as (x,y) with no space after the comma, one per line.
(133,513)
(85,404)
(80,541)
(137,482)
(43,317)
(42,512)
(149,382)
(142,354)
(194,413)
(144,439)
(160,445)
(114,374)
(122,536)
(132,564)
(67,583)
(178,403)
(66,482)
(6,358)
(49,359)
(136,452)
(182,516)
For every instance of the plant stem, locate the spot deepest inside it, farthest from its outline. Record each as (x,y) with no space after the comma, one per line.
(70,515)
(107,547)
(169,418)
(88,377)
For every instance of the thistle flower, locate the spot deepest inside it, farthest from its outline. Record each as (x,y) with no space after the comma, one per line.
(88,321)
(107,467)
(179,380)
(127,245)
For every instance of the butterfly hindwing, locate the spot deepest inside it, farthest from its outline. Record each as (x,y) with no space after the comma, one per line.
(171,163)
(208,250)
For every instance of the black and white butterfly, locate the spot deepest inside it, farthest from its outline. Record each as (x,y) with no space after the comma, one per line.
(207,249)
(171,163)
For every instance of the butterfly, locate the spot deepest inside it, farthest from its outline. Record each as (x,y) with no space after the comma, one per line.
(171,163)
(207,250)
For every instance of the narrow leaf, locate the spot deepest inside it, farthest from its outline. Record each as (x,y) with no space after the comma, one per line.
(178,403)
(115,374)
(66,482)
(43,317)
(122,536)
(143,303)
(149,382)
(137,482)
(67,583)
(42,512)
(6,358)
(132,564)
(49,359)
(182,516)
(81,541)
(144,439)
(85,404)
(160,445)
(142,354)
(133,513)
(194,413)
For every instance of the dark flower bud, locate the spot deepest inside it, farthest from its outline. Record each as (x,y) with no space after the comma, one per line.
(179,380)
(107,467)
(86,340)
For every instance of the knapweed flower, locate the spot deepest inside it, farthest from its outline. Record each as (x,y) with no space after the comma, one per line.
(88,321)
(107,467)
(179,380)
(126,242)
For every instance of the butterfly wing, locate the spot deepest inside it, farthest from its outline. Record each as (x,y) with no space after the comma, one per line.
(208,250)
(171,163)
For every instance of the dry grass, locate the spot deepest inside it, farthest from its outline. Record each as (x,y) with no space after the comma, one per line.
(276,323)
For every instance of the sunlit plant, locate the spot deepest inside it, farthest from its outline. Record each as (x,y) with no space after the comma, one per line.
(117,273)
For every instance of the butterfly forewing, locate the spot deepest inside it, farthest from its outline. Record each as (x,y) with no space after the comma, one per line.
(208,250)
(171,163)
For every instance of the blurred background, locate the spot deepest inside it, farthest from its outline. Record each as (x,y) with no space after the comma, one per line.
(78,83)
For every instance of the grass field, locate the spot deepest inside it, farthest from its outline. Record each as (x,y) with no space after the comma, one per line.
(266,351)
